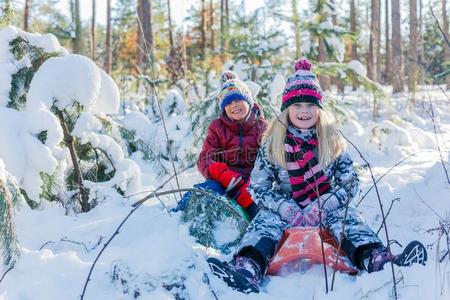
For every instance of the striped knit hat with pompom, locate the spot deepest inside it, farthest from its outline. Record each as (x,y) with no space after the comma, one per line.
(233,89)
(302,86)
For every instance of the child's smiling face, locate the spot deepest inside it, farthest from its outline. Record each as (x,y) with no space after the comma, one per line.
(237,110)
(303,115)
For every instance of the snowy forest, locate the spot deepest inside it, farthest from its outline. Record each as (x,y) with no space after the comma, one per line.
(105,105)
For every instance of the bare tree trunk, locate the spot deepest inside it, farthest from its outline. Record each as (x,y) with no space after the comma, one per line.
(77,43)
(145,33)
(322,56)
(296,21)
(387,58)
(211,23)
(93,37)
(446,32)
(26,15)
(203,29)
(421,43)
(170,24)
(227,19)
(333,13)
(353,28)
(222,30)
(412,52)
(373,60)
(69,140)
(107,62)
(397,60)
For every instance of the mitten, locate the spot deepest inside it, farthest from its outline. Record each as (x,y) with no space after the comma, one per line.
(291,213)
(311,214)
(230,180)
(243,197)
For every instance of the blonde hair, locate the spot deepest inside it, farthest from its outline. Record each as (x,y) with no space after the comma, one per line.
(331,142)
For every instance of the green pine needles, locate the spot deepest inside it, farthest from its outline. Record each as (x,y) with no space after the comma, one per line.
(20,83)
(205,212)
(10,197)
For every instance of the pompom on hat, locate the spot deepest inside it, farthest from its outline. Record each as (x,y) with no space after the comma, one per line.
(302,86)
(232,89)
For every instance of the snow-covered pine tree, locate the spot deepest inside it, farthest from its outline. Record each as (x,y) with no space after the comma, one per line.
(29,58)
(10,197)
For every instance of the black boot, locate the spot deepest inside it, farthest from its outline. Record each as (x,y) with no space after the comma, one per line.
(242,273)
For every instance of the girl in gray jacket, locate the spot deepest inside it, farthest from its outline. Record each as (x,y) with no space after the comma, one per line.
(303,176)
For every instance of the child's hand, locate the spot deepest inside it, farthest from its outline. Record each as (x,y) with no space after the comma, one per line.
(230,180)
(291,213)
(312,214)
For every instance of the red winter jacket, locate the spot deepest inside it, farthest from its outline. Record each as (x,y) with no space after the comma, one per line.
(235,144)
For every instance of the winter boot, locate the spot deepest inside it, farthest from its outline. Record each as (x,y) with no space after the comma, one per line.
(242,274)
(414,252)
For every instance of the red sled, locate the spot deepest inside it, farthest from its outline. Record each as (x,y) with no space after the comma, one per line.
(300,248)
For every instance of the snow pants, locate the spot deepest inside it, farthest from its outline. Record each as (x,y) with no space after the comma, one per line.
(266,230)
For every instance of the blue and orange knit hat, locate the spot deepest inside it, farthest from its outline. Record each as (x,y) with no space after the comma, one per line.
(233,89)
(302,86)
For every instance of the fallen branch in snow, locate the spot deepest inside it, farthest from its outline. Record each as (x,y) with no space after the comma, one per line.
(64,239)
(4,274)
(45,244)
(162,184)
(388,212)
(370,293)
(135,206)
(381,209)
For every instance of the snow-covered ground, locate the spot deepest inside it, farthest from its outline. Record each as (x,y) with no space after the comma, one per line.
(153,252)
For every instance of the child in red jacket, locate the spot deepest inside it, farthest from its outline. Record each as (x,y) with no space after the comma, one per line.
(229,150)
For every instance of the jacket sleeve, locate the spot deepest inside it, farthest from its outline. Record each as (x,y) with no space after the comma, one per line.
(261,185)
(210,151)
(346,183)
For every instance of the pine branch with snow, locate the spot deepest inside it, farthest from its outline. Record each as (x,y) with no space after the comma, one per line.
(10,197)
(205,213)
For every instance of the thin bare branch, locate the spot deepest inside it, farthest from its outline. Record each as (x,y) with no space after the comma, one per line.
(381,209)
(388,212)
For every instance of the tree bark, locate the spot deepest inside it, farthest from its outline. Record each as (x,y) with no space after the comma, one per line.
(387,58)
(145,33)
(227,19)
(296,22)
(107,62)
(324,81)
(26,15)
(373,56)
(211,24)
(397,60)
(93,35)
(169,17)
(77,43)
(353,28)
(69,140)
(222,30)
(412,51)
(203,28)
(446,32)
